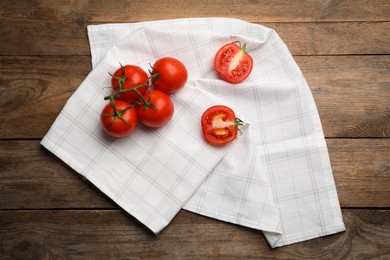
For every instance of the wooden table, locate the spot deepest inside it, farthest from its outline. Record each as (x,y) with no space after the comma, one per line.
(48,211)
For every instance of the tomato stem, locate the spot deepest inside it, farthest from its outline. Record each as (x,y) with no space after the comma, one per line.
(239,123)
(243,48)
(117,114)
(112,102)
(122,80)
(144,102)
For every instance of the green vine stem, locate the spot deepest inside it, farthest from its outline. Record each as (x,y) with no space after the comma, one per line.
(117,114)
(121,91)
(121,82)
(239,124)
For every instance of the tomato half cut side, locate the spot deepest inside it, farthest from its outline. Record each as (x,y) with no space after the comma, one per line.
(233,63)
(219,125)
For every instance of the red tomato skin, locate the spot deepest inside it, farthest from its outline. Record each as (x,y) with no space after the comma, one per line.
(208,131)
(223,58)
(135,76)
(119,128)
(172,75)
(161,112)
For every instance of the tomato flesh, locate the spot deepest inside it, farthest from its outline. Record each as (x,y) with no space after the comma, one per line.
(232,63)
(218,125)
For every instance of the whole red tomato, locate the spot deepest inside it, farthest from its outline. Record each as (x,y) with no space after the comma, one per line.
(158,111)
(129,76)
(233,63)
(219,125)
(172,75)
(119,121)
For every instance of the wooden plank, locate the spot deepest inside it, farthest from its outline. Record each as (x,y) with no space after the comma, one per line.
(32,178)
(43,38)
(352,93)
(361,169)
(113,234)
(34,90)
(334,38)
(58,38)
(143,10)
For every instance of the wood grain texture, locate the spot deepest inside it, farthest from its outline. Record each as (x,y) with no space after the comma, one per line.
(32,178)
(352,93)
(301,38)
(361,171)
(47,211)
(34,89)
(107,234)
(144,10)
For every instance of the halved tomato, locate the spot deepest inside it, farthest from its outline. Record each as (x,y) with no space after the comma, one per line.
(220,125)
(233,63)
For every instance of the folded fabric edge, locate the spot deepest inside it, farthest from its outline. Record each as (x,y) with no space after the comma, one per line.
(275,243)
(168,20)
(94,29)
(154,226)
(230,219)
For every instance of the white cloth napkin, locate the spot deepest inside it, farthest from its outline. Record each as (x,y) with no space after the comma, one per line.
(276,177)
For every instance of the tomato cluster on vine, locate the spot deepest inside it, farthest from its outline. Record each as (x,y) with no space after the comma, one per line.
(138,97)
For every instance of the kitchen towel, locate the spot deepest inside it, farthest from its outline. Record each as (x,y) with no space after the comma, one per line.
(275,177)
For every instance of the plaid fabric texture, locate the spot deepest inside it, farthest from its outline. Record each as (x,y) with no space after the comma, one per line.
(275,177)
